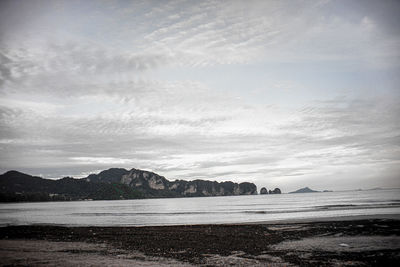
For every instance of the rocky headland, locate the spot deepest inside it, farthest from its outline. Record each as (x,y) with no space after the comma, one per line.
(114,183)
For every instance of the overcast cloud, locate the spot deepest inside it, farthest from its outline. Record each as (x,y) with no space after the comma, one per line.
(280,93)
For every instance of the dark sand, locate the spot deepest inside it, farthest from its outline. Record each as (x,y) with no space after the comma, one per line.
(366,242)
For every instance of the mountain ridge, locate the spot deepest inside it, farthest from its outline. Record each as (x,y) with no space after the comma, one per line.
(151,183)
(113,183)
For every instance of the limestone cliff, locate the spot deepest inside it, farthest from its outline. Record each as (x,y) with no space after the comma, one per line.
(154,185)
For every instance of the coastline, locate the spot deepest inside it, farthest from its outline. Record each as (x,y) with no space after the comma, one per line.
(354,240)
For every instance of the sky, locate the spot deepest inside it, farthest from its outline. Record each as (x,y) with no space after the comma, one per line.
(279,93)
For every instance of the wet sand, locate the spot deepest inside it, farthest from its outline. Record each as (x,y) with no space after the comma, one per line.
(50,253)
(362,242)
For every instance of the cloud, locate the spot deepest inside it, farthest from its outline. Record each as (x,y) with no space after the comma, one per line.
(320,140)
(154,85)
(186,33)
(70,65)
(206,34)
(228,32)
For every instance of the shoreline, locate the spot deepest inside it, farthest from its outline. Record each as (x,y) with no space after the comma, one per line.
(263,222)
(352,240)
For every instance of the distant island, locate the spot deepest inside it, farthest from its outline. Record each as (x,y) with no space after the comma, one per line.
(112,184)
(264,191)
(303,190)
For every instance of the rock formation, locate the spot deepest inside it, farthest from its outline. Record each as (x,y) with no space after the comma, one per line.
(112,184)
(263,191)
(152,184)
(275,191)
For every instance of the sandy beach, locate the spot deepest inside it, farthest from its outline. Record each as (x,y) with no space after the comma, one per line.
(357,242)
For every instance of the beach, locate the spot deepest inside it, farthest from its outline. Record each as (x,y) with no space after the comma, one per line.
(358,241)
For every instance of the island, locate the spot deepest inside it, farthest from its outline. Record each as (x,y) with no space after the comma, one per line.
(303,190)
(264,191)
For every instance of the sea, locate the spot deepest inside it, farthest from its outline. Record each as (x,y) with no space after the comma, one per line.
(204,210)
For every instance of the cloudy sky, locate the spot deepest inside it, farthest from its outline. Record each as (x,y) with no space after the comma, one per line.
(280,93)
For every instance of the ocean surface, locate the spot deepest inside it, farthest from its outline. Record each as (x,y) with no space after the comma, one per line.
(205,210)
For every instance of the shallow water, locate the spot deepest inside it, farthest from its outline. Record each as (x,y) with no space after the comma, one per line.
(205,210)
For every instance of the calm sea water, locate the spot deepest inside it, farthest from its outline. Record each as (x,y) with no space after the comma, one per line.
(234,209)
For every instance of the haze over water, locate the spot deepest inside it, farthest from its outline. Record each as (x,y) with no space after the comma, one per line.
(205,210)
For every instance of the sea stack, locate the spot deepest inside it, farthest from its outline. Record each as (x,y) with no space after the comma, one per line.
(263,191)
(275,191)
